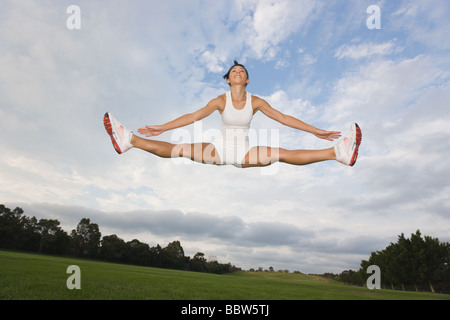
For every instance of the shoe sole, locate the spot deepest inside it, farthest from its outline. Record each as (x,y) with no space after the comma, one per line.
(358,142)
(109,130)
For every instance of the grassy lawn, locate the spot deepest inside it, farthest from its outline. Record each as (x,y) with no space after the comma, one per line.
(34,276)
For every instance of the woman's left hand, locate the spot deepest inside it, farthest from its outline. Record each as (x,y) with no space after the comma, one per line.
(327,135)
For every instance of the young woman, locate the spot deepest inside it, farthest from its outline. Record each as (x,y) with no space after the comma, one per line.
(237,108)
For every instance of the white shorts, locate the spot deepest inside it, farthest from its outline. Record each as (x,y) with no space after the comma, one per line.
(232,149)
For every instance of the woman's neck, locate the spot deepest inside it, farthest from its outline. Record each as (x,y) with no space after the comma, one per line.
(238,93)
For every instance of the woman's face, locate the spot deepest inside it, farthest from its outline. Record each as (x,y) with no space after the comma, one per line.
(238,75)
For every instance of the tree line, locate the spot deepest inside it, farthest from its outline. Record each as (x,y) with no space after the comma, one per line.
(20,232)
(416,263)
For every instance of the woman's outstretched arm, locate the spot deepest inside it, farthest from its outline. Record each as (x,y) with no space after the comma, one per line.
(292,122)
(182,121)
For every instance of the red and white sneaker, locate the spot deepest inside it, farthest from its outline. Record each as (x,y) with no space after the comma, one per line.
(347,149)
(120,136)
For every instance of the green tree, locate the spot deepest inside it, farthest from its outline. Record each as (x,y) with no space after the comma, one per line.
(86,239)
(156,256)
(402,262)
(198,262)
(173,256)
(112,248)
(30,235)
(10,227)
(417,262)
(53,239)
(18,231)
(137,252)
(435,261)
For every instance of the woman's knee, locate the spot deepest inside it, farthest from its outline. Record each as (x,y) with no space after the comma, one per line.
(198,152)
(181,150)
(261,156)
(282,154)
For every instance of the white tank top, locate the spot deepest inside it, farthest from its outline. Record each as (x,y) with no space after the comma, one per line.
(235,127)
(233,118)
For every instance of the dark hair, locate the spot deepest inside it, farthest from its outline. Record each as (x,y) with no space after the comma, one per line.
(236,64)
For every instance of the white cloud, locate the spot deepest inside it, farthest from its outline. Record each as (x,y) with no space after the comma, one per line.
(424,21)
(382,89)
(211,62)
(273,22)
(400,106)
(365,50)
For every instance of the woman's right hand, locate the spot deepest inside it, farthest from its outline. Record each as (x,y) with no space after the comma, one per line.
(151,131)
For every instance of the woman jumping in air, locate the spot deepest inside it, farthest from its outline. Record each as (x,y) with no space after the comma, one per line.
(237,108)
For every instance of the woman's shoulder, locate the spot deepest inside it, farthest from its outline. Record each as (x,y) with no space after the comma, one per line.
(257,102)
(257,98)
(218,102)
(219,99)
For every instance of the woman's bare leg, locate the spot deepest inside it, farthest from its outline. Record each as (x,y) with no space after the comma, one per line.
(159,148)
(198,152)
(264,156)
(304,157)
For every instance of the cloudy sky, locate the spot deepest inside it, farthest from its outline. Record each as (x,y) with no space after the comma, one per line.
(148,62)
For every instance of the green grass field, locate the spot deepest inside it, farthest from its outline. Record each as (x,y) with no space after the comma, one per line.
(34,276)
